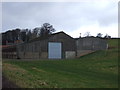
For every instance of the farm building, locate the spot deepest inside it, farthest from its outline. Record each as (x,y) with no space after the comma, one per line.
(56,46)
(90,44)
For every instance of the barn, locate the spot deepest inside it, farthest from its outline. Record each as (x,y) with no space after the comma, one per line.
(55,46)
(90,44)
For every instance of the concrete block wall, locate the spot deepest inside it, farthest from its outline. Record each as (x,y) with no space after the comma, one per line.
(70,54)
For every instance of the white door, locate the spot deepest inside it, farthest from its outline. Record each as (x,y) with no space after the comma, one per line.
(54,50)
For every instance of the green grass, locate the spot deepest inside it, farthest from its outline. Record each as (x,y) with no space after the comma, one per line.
(96,70)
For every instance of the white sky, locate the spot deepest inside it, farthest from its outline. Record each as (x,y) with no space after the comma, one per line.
(94,16)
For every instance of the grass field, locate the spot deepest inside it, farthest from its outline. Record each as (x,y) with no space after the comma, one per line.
(96,70)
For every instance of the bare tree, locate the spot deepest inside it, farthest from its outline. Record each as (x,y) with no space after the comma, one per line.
(87,34)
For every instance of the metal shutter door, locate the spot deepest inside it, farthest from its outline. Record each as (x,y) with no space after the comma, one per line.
(54,50)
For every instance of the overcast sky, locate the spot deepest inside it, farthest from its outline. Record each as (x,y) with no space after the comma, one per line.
(71,17)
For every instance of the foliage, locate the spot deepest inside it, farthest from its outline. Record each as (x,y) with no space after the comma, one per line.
(46,29)
(26,35)
(99,35)
(107,36)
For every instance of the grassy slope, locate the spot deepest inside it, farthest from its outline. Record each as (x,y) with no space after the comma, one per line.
(96,70)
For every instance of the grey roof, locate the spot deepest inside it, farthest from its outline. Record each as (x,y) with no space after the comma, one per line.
(46,37)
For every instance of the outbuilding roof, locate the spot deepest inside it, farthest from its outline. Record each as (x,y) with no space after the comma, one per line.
(46,37)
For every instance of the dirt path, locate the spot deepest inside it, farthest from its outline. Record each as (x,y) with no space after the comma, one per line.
(8,84)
